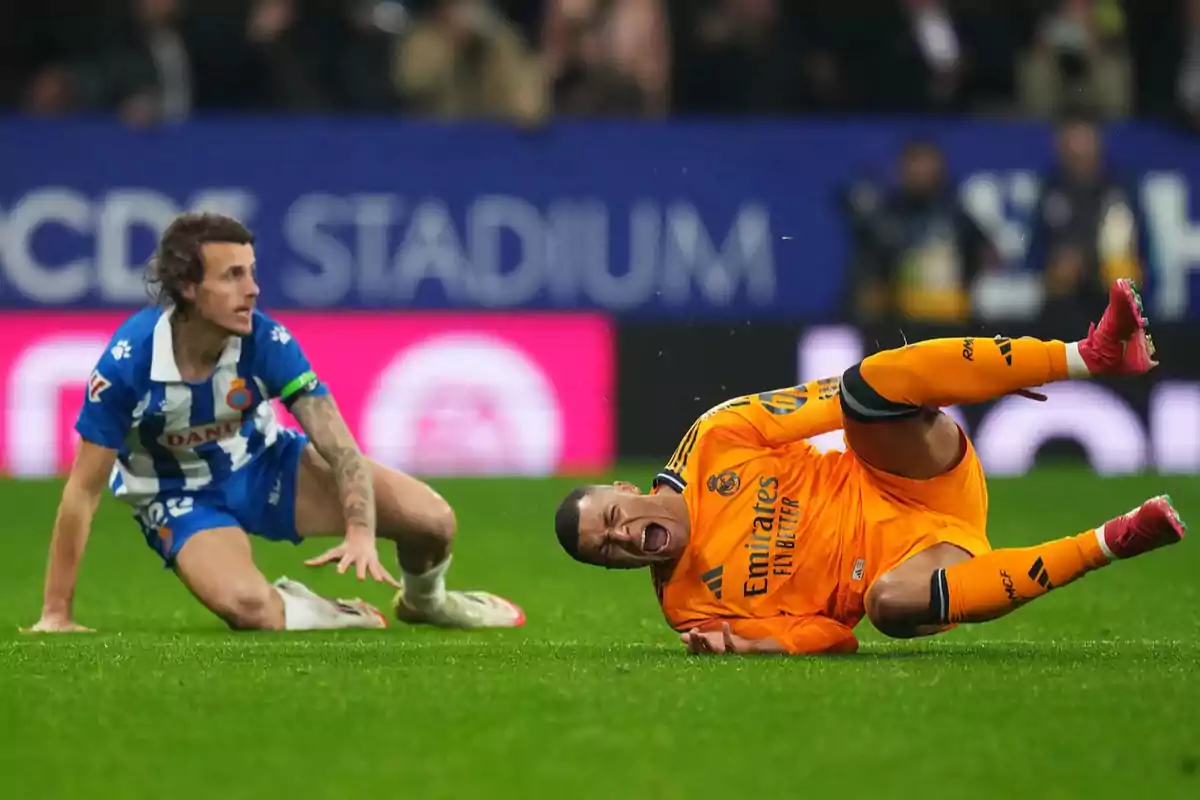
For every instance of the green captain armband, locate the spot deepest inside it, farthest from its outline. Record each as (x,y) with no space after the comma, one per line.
(301,384)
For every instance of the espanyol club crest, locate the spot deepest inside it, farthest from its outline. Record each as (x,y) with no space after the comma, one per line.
(239,397)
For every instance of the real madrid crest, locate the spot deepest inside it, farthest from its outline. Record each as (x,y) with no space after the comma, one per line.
(725,483)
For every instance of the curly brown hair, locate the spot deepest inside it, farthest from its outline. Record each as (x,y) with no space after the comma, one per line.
(178,261)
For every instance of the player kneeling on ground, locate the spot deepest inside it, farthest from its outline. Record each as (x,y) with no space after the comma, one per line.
(758,543)
(177,421)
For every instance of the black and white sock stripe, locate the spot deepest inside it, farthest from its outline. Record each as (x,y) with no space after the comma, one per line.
(862,403)
(939,596)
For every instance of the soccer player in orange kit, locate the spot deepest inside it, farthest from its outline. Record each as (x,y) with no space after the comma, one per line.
(758,543)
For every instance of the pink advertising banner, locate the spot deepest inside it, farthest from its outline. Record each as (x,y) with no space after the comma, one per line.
(433,394)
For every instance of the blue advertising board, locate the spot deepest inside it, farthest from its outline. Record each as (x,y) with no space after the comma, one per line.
(686,220)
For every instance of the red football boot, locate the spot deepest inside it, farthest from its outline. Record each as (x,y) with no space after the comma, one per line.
(1119,344)
(1153,524)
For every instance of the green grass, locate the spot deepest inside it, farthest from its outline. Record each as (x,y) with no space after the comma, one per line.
(1089,692)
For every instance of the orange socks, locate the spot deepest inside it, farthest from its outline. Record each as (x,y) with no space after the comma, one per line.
(993,584)
(945,372)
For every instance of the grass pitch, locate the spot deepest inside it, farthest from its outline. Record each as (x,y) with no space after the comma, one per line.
(1089,692)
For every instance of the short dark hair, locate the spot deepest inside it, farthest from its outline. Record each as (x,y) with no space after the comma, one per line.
(178,262)
(566,521)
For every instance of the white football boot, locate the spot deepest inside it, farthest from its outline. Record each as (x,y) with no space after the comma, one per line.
(467,610)
(335,614)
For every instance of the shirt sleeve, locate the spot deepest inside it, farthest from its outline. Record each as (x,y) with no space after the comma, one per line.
(766,419)
(782,416)
(106,416)
(799,635)
(283,366)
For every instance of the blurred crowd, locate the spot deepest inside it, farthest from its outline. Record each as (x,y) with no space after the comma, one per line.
(525,60)
(917,251)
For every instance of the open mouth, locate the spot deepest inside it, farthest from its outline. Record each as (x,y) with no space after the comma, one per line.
(655,538)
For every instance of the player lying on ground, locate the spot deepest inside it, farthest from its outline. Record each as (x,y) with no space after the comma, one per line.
(177,413)
(760,544)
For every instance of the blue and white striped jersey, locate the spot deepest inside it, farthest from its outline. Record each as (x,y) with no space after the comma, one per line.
(171,435)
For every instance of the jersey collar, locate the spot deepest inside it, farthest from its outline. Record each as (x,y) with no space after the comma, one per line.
(163,367)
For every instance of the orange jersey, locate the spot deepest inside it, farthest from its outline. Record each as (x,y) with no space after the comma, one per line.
(785,540)
(770,528)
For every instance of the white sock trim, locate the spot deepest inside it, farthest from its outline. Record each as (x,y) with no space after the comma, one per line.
(1104,544)
(301,613)
(1076,368)
(427,588)
(305,610)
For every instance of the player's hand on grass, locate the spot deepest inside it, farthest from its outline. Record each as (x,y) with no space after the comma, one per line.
(716,642)
(51,623)
(357,550)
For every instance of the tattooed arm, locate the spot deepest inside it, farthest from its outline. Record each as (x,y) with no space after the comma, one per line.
(326,429)
(318,415)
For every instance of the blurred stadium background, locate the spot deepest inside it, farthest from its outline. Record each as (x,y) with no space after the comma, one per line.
(527,241)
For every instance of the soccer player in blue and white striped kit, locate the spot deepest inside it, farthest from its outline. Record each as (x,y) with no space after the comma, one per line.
(177,422)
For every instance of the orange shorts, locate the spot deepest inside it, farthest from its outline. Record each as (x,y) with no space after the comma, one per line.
(903,516)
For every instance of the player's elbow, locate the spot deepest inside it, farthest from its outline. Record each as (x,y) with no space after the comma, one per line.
(843,646)
(79,500)
(829,639)
(89,473)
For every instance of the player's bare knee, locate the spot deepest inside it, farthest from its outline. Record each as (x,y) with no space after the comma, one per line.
(433,524)
(442,522)
(896,605)
(253,609)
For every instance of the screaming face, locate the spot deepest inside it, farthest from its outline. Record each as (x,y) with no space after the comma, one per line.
(621,528)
